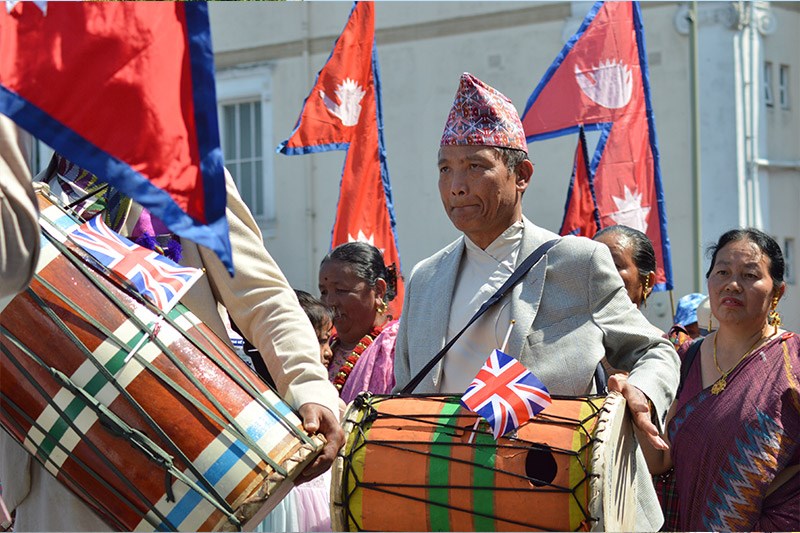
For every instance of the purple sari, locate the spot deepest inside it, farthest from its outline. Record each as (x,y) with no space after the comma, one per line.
(374,370)
(728,448)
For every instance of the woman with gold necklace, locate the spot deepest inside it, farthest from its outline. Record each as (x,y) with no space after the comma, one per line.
(357,285)
(734,429)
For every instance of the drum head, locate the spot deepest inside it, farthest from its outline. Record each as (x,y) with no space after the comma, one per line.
(613,490)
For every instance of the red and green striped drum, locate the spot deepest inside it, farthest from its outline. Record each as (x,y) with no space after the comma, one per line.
(418,463)
(171,434)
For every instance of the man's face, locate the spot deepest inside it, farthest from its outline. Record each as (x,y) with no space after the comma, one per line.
(480,194)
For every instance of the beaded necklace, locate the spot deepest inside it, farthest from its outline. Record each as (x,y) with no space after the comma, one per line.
(351,360)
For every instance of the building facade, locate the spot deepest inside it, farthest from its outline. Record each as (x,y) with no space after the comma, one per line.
(268,55)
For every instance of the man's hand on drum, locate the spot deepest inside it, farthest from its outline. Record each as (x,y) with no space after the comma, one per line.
(319,419)
(639,406)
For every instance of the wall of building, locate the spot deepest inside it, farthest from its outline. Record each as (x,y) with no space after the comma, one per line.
(423,47)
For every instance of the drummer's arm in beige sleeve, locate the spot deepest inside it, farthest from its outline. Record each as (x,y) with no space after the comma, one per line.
(19,227)
(264,306)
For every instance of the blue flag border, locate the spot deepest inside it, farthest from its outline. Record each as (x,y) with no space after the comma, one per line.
(653,139)
(283,147)
(214,234)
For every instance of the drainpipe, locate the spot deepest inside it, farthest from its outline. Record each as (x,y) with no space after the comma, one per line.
(693,17)
(308,161)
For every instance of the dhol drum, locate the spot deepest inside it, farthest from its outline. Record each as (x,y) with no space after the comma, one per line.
(171,434)
(418,463)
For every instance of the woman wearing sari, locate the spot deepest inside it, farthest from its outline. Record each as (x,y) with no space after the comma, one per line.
(358,286)
(734,429)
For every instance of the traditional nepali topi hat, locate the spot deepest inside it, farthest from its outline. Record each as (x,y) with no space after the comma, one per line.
(483,116)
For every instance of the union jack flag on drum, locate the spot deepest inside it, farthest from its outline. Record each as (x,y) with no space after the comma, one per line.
(505,393)
(160,280)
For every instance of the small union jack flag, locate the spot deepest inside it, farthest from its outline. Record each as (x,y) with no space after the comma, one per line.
(155,277)
(505,393)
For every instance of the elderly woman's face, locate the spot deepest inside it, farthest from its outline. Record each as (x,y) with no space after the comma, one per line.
(352,299)
(740,287)
(622,253)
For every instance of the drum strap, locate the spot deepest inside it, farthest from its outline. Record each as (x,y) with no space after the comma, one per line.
(520,271)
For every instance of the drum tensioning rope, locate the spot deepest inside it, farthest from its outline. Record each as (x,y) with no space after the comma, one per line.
(83,466)
(117,427)
(240,378)
(100,455)
(121,390)
(371,415)
(238,431)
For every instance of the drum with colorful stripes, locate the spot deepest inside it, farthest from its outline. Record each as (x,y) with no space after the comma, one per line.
(149,418)
(420,463)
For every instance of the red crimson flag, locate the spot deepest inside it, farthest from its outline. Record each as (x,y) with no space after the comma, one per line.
(126,91)
(581,216)
(343,112)
(600,81)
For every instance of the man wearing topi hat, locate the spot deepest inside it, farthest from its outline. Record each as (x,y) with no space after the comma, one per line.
(569,310)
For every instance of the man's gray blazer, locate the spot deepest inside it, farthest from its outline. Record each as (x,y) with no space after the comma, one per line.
(571,309)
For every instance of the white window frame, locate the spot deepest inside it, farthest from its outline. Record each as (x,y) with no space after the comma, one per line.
(766,81)
(248,84)
(783,86)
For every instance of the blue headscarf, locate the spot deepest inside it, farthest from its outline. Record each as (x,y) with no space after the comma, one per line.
(686,313)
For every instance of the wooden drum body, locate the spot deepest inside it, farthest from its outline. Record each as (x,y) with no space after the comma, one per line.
(415,463)
(182,436)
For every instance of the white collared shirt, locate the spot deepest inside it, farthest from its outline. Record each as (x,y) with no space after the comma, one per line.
(480,274)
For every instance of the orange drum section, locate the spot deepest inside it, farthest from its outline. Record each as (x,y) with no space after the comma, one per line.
(418,463)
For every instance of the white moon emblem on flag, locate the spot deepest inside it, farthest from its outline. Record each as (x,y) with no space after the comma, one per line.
(630,211)
(349,93)
(610,84)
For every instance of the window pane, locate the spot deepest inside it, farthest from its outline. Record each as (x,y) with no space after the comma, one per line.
(245,129)
(229,121)
(257,133)
(259,205)
(767,81)
(246,178)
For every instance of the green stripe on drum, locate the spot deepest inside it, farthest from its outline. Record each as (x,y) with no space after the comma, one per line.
(483,478)
(439,468)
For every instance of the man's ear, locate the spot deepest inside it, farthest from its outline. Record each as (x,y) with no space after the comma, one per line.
(524,172)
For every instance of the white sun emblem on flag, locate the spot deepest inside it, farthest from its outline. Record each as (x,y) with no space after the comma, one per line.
(349,93)
(361,237)
(630,211)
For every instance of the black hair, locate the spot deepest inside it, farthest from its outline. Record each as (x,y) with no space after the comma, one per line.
(511,157)
(765,243)
(367,263)
(318,313)
(642,252)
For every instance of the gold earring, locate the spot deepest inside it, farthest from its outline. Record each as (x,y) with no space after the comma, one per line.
(774,318)
(382,307)
(645,289)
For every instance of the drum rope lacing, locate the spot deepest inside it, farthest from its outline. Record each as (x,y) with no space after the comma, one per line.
(350,476)
(78,262)
(107,420)
(86,468)
(241,378)
(214,498)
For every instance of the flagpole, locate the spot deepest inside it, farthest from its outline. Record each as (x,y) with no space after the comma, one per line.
(502,349)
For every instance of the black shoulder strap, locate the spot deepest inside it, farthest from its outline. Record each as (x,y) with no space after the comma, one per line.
(521,270)
(686,364)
